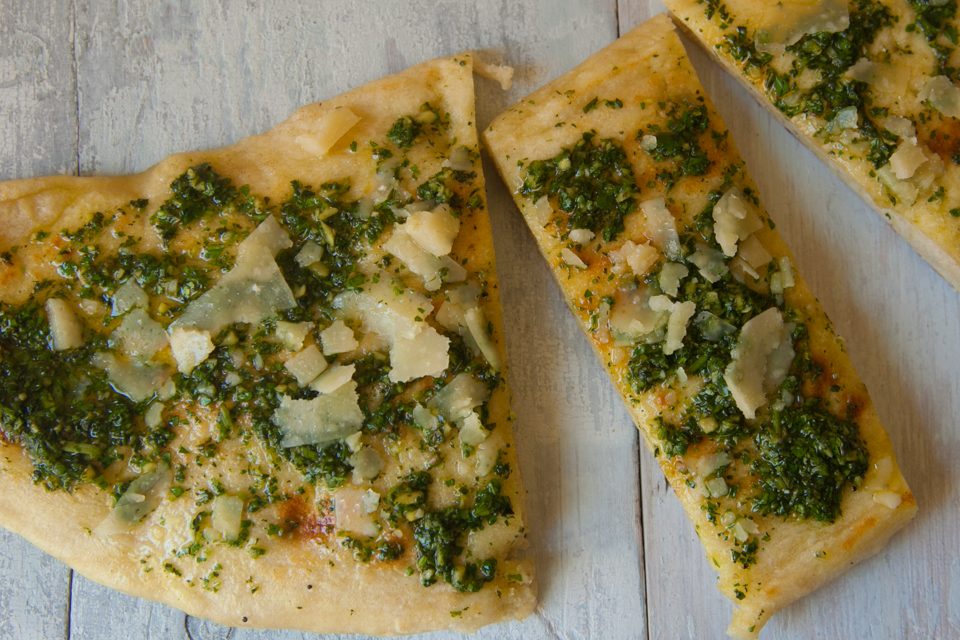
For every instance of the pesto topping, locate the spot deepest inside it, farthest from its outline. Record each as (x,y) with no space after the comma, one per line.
(679,141)
(592,181)
(75,420)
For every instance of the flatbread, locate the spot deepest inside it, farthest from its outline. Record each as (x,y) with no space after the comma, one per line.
(641,205)
(896,142)
(214,517)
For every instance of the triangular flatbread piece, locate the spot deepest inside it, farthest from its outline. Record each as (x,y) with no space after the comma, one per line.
(641,205)
(868,87)
(265,384)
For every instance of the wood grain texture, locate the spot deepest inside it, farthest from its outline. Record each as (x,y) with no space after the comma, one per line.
(901,322)
(38,136)
(158,77)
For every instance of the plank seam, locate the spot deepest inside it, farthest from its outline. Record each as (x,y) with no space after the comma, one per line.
(76,90)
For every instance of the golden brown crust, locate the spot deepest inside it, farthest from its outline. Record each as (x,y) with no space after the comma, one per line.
(305,581)
(926,225)
(643,69)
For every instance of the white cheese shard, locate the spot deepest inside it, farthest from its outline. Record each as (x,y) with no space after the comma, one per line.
(190,347)
(292,334)
(140,335)
(500,73)
(330,127)
(129,296)
(712,328)
(884,77)
(319,421)
(142,496)
(131,378)
(542,211)
(427,354)
(754,253)
(153,418)
(943,95)
(633,319)
(350,507)
(227,516)
(902,127)
(779,361)
(457,400)
(459,160)
(780,24)
(662,227)
(268,235)
(670,275)
(638,257)
(908,157)
(889,499)
(709,463)
(472,432)
(370,501)
(680,314)
(353,441)
(710,262)
(251,292)
(648,142)
(416,258)
(335,377)
(434,230)
(338,338)
(390,311)
(310,254)
(367,465)
(734,220)
(572,259)
(581,236)
(66,332)
(759,338)
(485,457)
(905,190)
(477,325)
(425,418)
(306,365)
(782,279)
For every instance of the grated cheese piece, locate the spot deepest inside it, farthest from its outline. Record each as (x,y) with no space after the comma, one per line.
(330,127)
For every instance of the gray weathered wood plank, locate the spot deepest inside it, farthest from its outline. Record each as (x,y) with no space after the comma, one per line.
(38,136)
(902,327)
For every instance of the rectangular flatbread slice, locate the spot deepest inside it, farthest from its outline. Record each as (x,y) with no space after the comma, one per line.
(869,86)
(264,384)
(641,205)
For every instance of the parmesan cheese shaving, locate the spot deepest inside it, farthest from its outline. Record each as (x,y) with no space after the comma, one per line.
(907,159)
(784,23)
(330,127)
(338,338)
(710,262)
(572,259)
(227,516)
(427,354)
(670,276)
(292,334)
(434,231)
(140,335)
(734,220)
(759,338)
(367,465)
(306,365)
(943,95)
(581,236)
(66,332)
(142,496)
(333,378)
(129,296)
(190,347)
(638,257)
(754,253)
(321,420)
(662,227)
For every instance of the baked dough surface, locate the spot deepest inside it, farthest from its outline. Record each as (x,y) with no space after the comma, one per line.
(627,87)
(304,579)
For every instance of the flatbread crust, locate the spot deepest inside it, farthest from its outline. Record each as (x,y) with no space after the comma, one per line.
(927,223)
(629,86)
(305,580)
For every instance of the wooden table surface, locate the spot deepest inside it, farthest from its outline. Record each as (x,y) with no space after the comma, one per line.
(113,87)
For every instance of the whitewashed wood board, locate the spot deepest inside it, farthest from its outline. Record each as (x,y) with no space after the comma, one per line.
(114,87)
